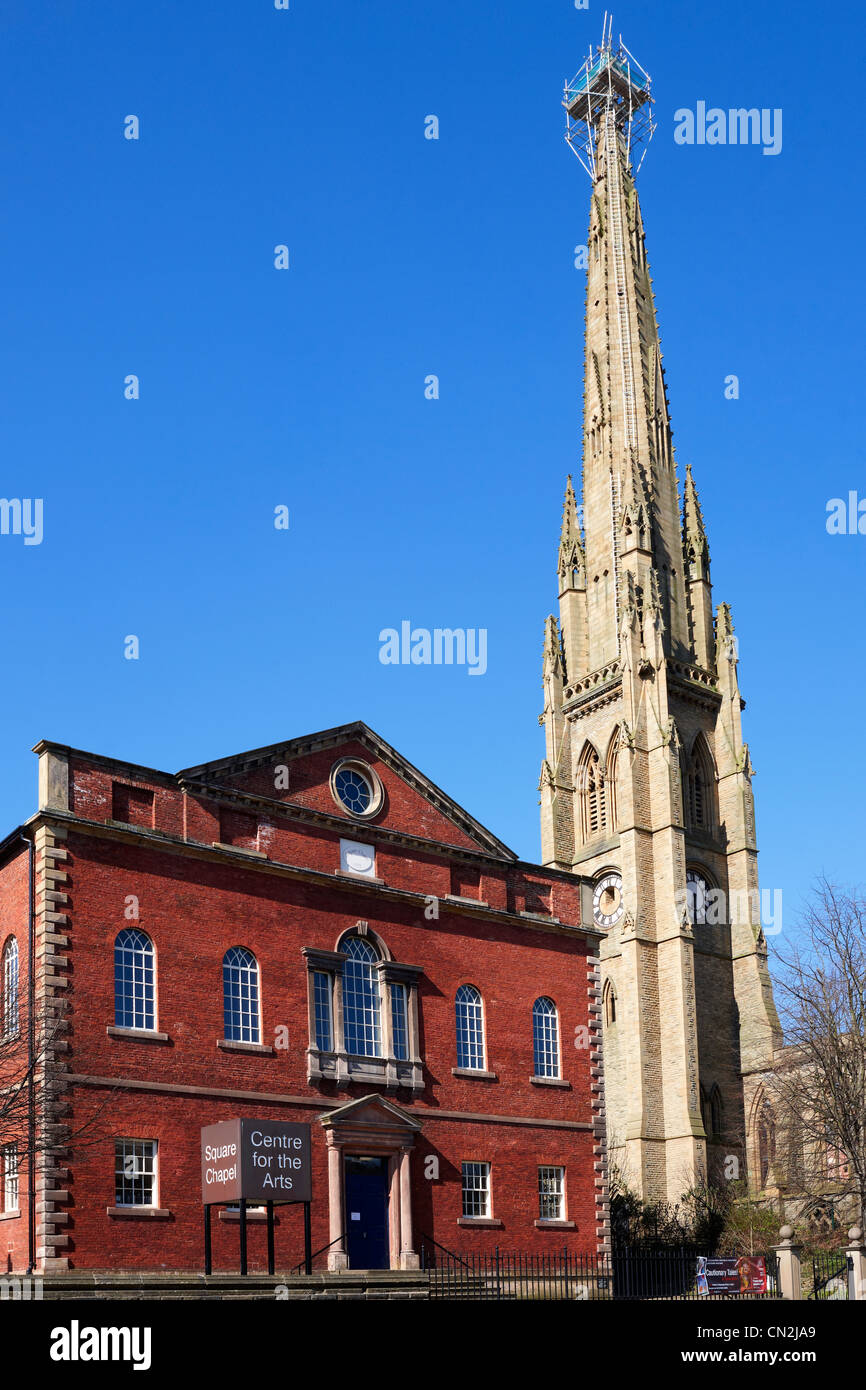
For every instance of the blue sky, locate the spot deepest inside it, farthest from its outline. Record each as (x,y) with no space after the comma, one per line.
(306,387)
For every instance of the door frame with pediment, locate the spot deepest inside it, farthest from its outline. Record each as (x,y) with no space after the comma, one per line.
(372,1126)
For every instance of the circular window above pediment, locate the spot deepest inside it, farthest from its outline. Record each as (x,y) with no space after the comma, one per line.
(356,788)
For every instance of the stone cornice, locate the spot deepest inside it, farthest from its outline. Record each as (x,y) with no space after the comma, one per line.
(332,882)
(208,774)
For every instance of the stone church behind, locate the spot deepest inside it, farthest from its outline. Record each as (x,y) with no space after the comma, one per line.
(646,785)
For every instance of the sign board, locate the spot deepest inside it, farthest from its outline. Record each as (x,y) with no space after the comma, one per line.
(261,1160)
(736,1274)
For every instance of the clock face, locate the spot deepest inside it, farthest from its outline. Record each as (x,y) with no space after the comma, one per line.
(607,903)
(697,889)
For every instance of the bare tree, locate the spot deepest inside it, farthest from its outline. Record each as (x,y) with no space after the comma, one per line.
(820,1076)
(34,1109)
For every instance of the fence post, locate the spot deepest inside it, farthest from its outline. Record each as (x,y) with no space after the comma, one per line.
(789,1264)
(856,1253)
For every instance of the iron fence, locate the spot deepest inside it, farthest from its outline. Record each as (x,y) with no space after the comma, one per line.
(830,1275)
(505,1275)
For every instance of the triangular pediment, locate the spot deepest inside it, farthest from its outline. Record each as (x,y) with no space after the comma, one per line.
(418,802)
(370,1113)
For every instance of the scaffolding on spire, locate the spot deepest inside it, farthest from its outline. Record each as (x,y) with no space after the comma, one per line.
(610,81)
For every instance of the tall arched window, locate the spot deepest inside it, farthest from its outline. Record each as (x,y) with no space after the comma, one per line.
(134,980)
(700,787)
(470,1028)
(608,1000)
(610,781)
(591,785)
(241,1013)
(362,1023)
(716,1112)
(9,983)
(545,1038)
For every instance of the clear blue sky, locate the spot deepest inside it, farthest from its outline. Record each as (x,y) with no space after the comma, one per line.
(306,387)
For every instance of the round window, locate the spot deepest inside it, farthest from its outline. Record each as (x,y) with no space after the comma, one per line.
(354,790)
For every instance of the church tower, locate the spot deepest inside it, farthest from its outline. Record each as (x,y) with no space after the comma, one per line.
(647,784)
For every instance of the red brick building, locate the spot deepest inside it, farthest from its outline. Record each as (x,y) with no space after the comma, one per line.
(307,932)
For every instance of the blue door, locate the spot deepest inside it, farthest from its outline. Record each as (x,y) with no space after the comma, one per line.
(366,1212)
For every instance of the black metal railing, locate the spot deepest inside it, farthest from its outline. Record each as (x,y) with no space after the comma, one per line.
(830,1270)
(505,1275)
(299,1269)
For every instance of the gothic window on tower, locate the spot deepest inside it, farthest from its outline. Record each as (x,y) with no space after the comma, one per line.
(700,785)
(592,786)
(608,1001)
(716,1112)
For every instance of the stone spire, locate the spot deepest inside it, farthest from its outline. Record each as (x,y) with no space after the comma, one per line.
(631,507)
(646,784)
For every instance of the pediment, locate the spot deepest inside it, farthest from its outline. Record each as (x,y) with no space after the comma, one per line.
(412,803)
(371,1113)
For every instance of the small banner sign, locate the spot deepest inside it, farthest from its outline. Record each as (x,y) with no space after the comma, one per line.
(735,1274)
(260,1160)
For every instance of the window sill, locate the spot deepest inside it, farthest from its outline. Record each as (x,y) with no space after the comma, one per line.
(138,1034)
(539,917)
(472,1075)
(10,1215)
(150,1212)
(462,898)
(479,1221)
(363,878)
(555,1225)
(229,1045)
(254,1215)
(240,849)
(556,1081)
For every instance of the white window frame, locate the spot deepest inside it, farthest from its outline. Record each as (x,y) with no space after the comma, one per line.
(11,1181)
(474,1048)
(557,1171)
(249,1029)
(143,999)
(10,984)
(472,1169)
(547,1060)
(129,1148)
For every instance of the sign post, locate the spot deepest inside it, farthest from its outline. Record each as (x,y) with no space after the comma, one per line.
(259,1161)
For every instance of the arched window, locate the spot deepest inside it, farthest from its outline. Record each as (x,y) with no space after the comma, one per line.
(9,985)
(362,1023)
(716,1112)
(545,1038)
(700,787)
(134,980)
(590,781)
(470,1028)
(608,1000)
(610,781)
(241,1016)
